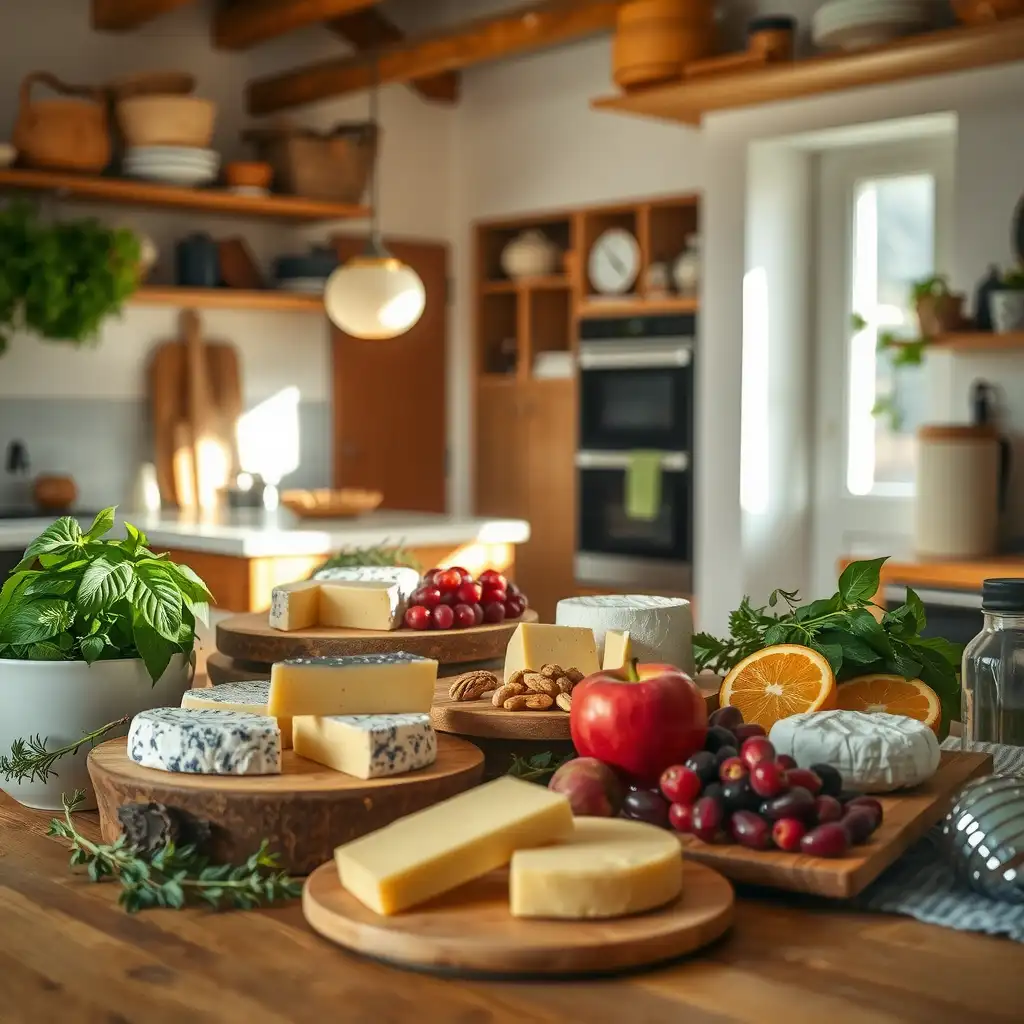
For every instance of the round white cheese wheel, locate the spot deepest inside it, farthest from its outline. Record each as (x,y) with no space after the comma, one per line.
(660,628)
(607,867)
(874,753)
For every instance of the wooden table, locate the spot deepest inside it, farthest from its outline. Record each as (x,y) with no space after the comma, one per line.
(68,953)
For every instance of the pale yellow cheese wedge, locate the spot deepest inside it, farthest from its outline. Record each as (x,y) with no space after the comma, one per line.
(249,696)
(607,867)
(534,645)
(438,849)
(295,605)
(618,649)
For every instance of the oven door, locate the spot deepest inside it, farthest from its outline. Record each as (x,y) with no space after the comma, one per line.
(616,550)
(637,395)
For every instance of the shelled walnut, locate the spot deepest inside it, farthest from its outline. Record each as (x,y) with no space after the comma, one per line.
(472,685)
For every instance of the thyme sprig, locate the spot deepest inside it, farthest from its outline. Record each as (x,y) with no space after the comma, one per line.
(30,761)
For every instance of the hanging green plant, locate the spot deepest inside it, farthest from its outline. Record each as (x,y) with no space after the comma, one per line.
(61,281)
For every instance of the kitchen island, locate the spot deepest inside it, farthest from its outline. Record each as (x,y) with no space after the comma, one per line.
(244,553)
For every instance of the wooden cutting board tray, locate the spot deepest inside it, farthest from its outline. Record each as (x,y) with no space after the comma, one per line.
(470,931)
(250,638)
(907,817)
(305,812)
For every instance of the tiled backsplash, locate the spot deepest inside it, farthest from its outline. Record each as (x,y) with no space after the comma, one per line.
(103,443)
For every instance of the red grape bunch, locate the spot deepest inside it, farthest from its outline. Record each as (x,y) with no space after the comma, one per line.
(452,599)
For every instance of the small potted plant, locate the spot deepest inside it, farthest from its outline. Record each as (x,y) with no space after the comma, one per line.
(939,311)
(1006,301)
(92,631)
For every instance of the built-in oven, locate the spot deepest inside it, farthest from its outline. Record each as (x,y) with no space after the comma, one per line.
(636,383)
(617,549)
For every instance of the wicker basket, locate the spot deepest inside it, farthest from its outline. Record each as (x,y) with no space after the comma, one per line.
(334,165)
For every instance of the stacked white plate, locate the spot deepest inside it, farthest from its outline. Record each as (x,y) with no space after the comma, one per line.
(855,24)
(172,165)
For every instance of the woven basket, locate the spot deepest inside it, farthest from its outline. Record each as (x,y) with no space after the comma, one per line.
(334,165)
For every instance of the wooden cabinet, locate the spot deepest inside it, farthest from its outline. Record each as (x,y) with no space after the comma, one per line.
(526,440)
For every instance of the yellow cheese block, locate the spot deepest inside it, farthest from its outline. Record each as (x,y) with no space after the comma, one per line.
(438,849)
(607,868)
(366,597)
(250,696)
(534,645)
(362,684)
(295,605)
(618,650)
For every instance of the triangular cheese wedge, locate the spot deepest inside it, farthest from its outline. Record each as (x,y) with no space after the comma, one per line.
(617,649)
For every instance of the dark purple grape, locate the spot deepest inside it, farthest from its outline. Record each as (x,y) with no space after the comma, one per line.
(859,824)
(704,764)
(724,753)
(717,738)
(846,795)
(831,780)
(727,717)
(750,830)
(795,803)
(708,819)
(715,791)
(644,805)
(828,840)
(738,796)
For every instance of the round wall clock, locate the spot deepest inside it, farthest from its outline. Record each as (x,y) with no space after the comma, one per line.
(614,262)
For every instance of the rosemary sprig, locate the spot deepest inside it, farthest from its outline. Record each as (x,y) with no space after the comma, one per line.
(538,767)
(174,875)
(29,759)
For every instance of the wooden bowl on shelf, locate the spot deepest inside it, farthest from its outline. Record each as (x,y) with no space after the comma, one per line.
(328,504)
(248,174)
(982,12)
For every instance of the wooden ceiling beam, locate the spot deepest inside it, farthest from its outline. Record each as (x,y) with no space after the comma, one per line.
(532,28)
(369,29)
(125,15)
(243,23)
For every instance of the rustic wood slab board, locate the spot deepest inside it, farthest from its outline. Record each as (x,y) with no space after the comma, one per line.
(250,638)
(907,817)
(470,930)
(305,812)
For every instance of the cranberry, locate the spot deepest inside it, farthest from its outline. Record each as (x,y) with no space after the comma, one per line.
(756,749)
(828,808)
(828,840)
(417,617)
(785,761)
(680,817)
(768,778)
(750,830)
(680,784)
(732,768)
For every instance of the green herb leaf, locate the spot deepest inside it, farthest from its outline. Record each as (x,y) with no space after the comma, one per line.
(102,524)
(863,624)
(108,579)
(854,649)
(859,581)
(158,598)
(62,537)
(92,648)
(154,649)
(39,619)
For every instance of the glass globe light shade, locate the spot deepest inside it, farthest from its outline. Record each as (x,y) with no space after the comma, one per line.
(374,297)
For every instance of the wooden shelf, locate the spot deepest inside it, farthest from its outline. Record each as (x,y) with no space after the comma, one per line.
(637,306)
(228,298)
(981,341)
(933,53)
(497,380)
(553,282)
(128,192)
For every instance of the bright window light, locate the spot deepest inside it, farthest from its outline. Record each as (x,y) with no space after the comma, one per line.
(754,447)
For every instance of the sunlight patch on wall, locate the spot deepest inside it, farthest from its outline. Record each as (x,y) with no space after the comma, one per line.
(268,437)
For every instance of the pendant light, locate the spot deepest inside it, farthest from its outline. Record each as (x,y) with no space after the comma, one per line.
(374,296)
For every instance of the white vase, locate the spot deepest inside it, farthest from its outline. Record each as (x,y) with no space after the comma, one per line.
(62,701)
(1007,309)
(530,254)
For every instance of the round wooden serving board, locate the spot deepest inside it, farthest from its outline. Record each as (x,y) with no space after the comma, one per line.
(304,813)
(250,638)
(471,930)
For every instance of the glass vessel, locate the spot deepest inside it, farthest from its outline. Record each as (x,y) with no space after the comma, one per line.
(993,668)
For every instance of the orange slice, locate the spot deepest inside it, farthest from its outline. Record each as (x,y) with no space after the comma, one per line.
(894,695)
(778,682)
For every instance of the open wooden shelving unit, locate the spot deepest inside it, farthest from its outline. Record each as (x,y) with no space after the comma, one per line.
(932,53)
(228,298)
(128,192)
(978,342)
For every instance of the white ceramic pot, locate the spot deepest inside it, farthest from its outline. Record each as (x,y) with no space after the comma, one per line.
(529,254)
(65,700)
(1007,309)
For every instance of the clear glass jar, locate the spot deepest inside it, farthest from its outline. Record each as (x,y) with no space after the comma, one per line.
(993,668)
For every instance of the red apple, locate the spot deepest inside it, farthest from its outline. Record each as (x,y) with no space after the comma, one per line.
(640,719)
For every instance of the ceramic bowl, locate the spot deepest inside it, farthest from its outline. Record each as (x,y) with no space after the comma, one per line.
(248,174)
(166,120)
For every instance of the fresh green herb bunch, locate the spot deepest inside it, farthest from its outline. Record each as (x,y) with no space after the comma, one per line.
(62,280)
(381,554)
(844,630)
(537,767)
(173,876)
(77,597)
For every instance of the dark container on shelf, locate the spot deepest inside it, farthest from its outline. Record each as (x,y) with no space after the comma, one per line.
(197,262)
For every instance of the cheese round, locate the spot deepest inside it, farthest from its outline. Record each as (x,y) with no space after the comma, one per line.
(874,753)
(607,867)
(660,628)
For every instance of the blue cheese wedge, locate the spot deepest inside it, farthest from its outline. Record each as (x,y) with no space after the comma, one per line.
(249,696)
(205,742)
(367,746)
(295,605)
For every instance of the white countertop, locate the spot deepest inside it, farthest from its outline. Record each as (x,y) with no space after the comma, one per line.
(254,533)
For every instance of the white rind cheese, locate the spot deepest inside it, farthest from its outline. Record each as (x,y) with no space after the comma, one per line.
(205,742)
(249,696)
(367,597)
(874,753)
(367,746)
(607,868)
(660,628)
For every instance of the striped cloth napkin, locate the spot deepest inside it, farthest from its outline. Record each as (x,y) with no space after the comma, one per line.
(921,884)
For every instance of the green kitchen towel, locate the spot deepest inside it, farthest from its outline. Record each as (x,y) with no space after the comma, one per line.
(643,485)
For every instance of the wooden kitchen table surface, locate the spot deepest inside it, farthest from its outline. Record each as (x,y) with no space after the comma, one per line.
(69,954)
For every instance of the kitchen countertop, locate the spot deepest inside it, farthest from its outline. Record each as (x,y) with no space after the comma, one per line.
(955,574)
(254,533)
(69,953)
